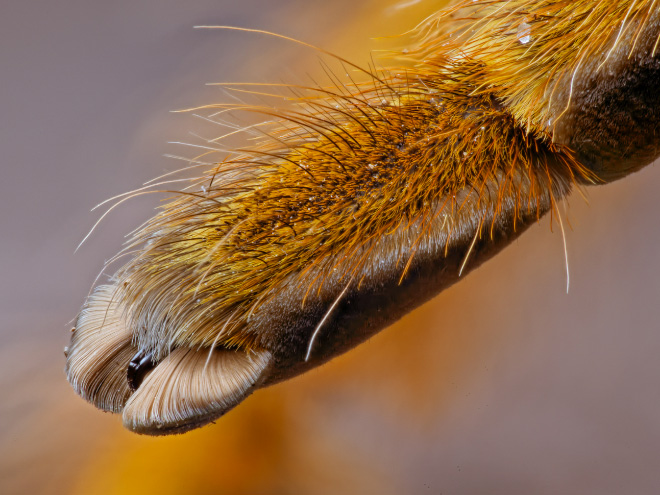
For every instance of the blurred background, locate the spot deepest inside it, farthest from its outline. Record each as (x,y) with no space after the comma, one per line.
(503,384)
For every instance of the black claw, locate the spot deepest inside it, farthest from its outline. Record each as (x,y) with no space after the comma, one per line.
(139,366)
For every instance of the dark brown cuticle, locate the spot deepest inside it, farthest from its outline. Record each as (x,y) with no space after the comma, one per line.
(138,368)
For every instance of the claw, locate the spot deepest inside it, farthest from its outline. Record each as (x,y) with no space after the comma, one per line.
(138,368)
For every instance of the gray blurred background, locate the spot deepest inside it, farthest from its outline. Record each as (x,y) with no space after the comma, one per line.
(502,385)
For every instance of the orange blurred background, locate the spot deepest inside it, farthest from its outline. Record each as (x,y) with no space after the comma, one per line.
(501,385)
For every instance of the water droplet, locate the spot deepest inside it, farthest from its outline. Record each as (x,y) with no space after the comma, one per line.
(524,33)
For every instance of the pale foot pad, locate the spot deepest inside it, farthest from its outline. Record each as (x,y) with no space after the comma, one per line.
(186,391)
(100,348)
